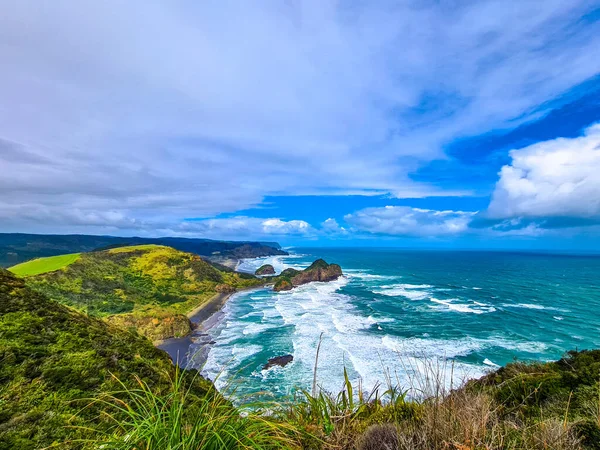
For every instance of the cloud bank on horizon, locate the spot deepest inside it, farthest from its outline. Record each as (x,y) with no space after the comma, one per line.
(182,118)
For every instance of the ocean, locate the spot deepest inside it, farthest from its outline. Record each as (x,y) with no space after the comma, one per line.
(395,311)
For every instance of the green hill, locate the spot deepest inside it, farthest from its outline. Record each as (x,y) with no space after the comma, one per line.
(16,248)
(59,386)
(44,265)
(53,358)
(148,287)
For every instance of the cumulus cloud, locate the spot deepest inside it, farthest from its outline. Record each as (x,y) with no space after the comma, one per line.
(244,227)
(331,226)
(406,221)
(556,178)
(203,108)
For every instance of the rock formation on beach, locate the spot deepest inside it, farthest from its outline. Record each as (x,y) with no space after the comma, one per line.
(265,269)
(317,271)
(283,284)
(278,361)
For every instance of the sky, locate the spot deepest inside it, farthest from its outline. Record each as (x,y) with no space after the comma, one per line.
(424,123)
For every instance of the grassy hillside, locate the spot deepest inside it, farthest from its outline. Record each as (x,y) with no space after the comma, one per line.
(44,265)
(16,248)
(148,287)
(52,358)
(70,381)
(59,385)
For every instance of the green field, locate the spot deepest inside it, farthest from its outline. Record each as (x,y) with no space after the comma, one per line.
(44,265)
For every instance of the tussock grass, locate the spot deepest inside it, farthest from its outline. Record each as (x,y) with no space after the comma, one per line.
(179,420)
(437,413)
(431,413)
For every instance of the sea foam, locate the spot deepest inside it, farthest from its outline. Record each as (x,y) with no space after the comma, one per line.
(410,291)
(473,308)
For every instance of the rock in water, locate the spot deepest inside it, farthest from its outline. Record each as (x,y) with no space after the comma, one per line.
(318,271)
(266,269)
(290,272)
(278,361)
(284,284)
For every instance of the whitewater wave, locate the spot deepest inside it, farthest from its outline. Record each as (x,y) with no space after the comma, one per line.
(410,291)
(533,306)
(326,312)
(320,311)
(363,275)
(279,263)
(256,328)
(473,308)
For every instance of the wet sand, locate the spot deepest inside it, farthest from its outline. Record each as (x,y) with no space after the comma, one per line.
(204,317)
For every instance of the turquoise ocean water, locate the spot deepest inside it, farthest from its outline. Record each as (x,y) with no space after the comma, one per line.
(396,308)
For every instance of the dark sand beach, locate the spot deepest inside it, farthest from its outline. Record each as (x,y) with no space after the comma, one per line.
(204,317)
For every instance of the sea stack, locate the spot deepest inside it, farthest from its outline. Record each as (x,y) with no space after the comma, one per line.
(265,269)
(317,271)
(283,284)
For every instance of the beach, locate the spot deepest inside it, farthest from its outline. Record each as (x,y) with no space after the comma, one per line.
(203,318)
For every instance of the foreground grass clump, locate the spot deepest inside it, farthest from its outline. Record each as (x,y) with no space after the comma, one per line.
(523,406)
(178,420)
(44,265)
(149,287)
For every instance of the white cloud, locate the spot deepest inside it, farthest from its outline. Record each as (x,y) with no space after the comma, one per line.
(332,227)
(206,107)
(245,227)
(406,221)
(557,178)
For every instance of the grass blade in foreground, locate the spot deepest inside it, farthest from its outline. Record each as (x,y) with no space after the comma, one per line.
(179,420)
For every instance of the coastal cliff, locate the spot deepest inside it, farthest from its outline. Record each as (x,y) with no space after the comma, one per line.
(149,288)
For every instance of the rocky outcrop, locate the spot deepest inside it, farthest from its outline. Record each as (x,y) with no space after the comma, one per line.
(278,361)
(283,284)
(290,273)
(224,288)
(265,269)
(318,271)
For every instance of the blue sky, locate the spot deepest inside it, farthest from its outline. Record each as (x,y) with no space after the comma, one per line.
(402,123)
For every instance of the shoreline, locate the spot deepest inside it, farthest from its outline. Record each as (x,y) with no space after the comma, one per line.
(203,319)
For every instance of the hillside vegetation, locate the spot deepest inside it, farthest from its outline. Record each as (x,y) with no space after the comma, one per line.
(16,248)
(52,358)
(70,381)
(74,381)
(148,287)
